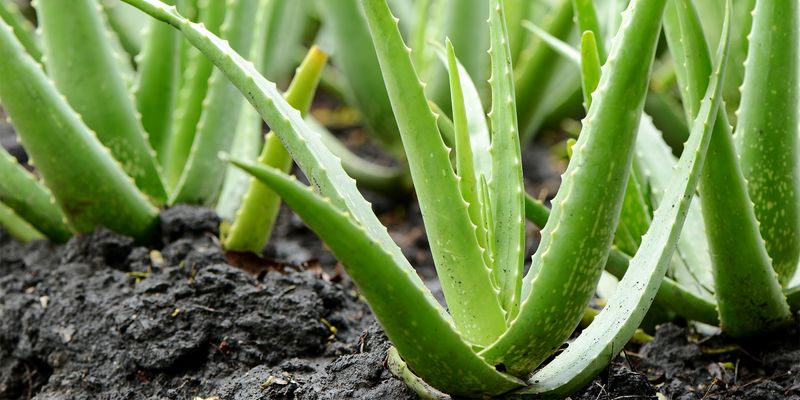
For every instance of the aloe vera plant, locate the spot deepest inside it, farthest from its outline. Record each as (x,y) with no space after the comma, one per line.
(109,150)
(500,324)
(749,187)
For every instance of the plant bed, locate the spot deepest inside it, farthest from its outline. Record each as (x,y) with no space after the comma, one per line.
(100,317)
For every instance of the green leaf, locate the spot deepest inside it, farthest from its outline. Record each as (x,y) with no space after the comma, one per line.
(590,67)
(20,191)
(465,160)
(201,179)
(578,236)
(88,184)
(94,87)
(617,322)
(395,294)
(256,218)
(17,227)
(458,257)
(156,87)
(355,56)
(747,290)
(586,15)
(505,186)
(197,70)
(539,67)
(768,128)
(10,13)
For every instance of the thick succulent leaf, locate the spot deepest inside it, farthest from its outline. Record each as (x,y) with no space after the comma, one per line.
(10,13)
(653,165)
(617,322)
(88,184)
(590,67)
(691,264)
(319,165)
(126,24)
(746,287)
(768,128)
(368,175)
(201,180)
(30,200)
(477,127)
(256,218)
(670,294)
(197,70)
(505,187)
(17,227)
(285,27)
(586,15)
(462,22)
(533,71)
(94,87)
(156,85)
(578,236)
(355,57)
(248,139)
(561,47)
(411,317)
(516,12)
(465,280)
(465,160)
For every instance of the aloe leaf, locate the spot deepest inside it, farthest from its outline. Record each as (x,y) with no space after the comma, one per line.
(30,200)
(505,187)
(88,184)
(578,236)
(355,57)
(768,128)
(617,322)
(457,255)
(652,170)
(420,35)
(249,138)
(670,294)
(586,16)
(72,31)
(285,27)
(561,47)
(461,17)
(201,180)
(395,294)
(747,290)
(10,13)
(368,175)
(478,130)
(537,68)
(516,12)
(590,66)
(17,227)
(191,96)
(256,218)
(126,24)
(156,85)
(691,266)
(465,160)
(319,165)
